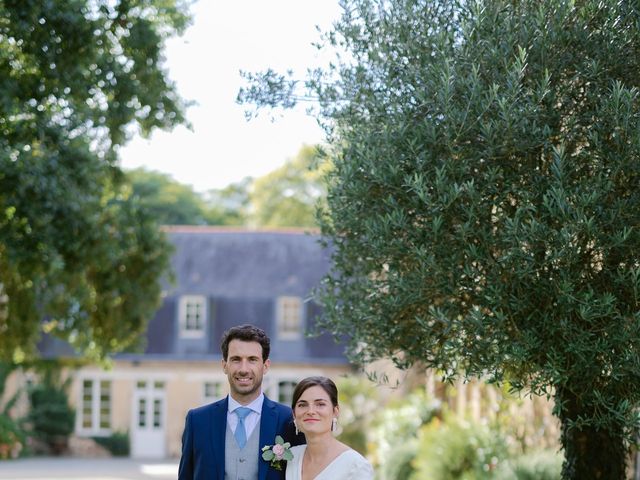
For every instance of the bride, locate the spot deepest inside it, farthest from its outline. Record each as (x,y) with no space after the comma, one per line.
(315,412)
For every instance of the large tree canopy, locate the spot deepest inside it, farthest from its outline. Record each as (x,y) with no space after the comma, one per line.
(229,205)
(484,205)
(288,196)
(78,257)
(170,202)
(285,197)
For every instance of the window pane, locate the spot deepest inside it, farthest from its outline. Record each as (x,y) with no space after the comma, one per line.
(95,405)
(87,404)
(212,391)
(105,422)
(142,412)
(285,391)
(290,316)
(105,404)
(86,418)
(193,314)
(157,413)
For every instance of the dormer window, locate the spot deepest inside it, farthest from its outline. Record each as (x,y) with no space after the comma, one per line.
(289,318)
(193,315)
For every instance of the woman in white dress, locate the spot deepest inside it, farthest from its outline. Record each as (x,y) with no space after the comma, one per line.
(315,413)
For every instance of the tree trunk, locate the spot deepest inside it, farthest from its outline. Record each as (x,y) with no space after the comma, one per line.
(590,454)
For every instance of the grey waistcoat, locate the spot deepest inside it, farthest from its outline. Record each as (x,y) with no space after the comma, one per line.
(241,464)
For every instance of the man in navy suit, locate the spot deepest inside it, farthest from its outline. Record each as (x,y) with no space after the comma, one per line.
(223,440)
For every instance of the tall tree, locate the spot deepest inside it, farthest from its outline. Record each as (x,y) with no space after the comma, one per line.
(285,197)
(78,257)
(484,203)
(168,201)
(288,196)
(229,205)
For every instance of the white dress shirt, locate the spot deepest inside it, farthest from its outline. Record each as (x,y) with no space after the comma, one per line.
(251,420)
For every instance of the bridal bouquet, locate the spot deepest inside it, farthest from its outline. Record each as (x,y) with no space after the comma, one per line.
(276,453)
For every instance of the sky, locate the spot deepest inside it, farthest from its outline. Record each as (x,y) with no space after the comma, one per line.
(228,36)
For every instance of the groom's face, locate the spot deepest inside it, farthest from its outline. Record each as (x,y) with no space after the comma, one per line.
(244,368)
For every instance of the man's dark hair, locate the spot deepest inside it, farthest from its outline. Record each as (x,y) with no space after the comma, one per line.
(245,333)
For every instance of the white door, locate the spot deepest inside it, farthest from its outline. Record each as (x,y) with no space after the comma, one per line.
(148,420)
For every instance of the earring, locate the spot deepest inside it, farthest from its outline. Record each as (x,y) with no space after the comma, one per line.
(296,425)
(334,424)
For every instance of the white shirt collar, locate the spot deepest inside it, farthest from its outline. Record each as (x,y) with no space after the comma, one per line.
(256,405)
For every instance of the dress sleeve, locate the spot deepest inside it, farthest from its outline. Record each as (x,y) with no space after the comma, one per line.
(361,469)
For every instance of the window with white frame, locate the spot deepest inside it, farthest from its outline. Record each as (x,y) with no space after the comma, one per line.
(211,391)
(285,391)
(289,318)
(193,315)
(95,411)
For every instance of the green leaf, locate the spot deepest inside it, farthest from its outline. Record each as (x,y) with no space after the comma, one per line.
(268,455)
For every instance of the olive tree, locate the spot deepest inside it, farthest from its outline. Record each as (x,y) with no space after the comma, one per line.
(483,208)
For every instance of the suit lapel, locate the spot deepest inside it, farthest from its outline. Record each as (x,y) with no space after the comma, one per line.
(218,431)
(268,426)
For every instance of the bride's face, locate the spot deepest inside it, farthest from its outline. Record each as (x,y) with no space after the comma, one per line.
(314,411)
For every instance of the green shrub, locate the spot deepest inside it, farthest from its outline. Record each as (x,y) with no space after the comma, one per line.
(399,421)
(50,417)
(117,443)
(542,465)
(459,450)
(358,404)
(354,436)
(399,464)
(50,413)
(12,438)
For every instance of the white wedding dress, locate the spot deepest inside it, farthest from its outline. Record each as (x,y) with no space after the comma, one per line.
(349,465)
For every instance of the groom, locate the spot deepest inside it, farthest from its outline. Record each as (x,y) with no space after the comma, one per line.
(223,440)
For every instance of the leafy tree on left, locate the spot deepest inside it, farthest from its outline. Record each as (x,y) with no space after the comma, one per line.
(170,202)
(79,258)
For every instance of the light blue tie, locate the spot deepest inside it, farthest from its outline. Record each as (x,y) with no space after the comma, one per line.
(241,433)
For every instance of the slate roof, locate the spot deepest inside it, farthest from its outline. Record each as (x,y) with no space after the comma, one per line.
(225,262)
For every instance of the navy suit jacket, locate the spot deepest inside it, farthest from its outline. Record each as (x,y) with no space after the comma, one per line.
(204,437)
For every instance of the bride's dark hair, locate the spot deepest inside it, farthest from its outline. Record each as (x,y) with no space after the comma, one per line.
(325,383)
